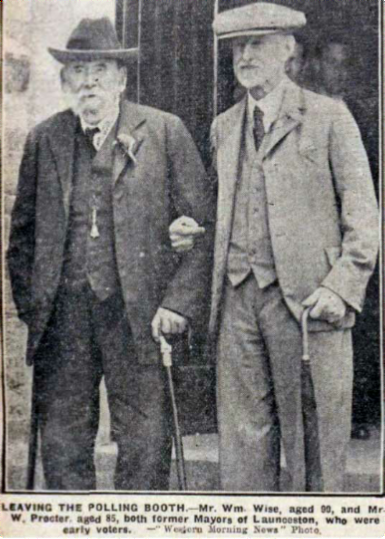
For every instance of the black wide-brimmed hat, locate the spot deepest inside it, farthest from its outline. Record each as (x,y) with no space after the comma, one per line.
(94,39)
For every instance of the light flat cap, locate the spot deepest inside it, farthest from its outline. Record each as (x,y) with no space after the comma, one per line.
(258,19)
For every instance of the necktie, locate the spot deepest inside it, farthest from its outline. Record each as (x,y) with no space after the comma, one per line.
(90,133)
(258,129)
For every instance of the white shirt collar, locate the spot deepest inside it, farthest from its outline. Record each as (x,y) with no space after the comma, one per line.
(270,105)
(104,125)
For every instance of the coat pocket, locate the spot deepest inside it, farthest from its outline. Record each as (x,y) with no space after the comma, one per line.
(316,153)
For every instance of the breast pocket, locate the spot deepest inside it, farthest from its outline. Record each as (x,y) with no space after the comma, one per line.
(318,155)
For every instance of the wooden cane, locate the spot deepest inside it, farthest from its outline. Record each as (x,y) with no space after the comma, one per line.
(166,351)
(310,416)
(305,335)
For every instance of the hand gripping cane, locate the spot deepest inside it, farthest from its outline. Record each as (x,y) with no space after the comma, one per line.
(166,351)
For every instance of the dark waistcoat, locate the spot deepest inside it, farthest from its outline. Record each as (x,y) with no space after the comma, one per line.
(91,259)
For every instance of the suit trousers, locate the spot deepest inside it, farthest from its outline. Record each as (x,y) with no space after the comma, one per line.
(85,340)
(266,399)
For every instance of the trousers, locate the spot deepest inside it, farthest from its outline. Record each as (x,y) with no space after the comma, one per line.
(85,340)
(262,406)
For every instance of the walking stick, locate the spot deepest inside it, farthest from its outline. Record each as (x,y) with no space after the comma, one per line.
(166,351)
(305,336)
(33,436)
(309,414)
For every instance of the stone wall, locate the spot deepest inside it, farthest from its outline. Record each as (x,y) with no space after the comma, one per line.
(31,93)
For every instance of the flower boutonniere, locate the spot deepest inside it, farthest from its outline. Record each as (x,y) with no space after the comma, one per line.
(129,145)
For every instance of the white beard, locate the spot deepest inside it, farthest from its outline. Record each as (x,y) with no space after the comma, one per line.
(72,102)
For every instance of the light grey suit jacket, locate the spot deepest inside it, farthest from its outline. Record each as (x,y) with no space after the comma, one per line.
(322,207)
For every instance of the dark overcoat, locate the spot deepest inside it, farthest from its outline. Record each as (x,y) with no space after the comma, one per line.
(165,180)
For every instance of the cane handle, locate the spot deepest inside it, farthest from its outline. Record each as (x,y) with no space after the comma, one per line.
(166,351)
(305,335)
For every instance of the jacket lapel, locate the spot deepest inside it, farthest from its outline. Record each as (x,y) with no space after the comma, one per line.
(62,143)
(230,131)
(291,115)
(130,123)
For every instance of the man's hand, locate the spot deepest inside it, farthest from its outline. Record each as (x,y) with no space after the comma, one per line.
(183,232)
(327,305)
(167,322)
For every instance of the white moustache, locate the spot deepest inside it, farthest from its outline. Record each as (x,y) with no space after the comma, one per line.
(248,66)
(83,95)
(77,101)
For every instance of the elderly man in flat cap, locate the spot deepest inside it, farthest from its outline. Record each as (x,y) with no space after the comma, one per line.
(93,273)
(297,228)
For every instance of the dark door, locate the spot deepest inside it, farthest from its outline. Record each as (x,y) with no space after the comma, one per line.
(176,60)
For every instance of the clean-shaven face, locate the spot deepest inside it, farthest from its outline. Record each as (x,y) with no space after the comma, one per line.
(93,87)
(259,61)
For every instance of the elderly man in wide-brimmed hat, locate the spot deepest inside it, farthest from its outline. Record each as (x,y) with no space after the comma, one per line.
(92,271)
(296,227)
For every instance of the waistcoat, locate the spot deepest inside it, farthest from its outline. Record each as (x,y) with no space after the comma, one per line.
(250,248)
(91,259)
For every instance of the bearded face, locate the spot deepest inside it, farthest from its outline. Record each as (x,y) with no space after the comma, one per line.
(93,87)
(259,61)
